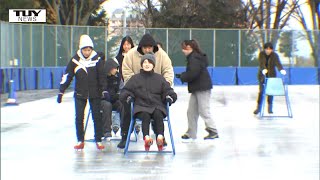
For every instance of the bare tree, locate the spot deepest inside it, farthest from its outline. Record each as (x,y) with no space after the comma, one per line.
(69,12)
(271,15)
(313,30)
(145,10)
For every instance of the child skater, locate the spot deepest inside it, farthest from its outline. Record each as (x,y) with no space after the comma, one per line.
(87,68)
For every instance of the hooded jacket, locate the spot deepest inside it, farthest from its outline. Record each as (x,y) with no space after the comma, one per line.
(273,62)
(131,62)
(88,72)
(113,81)
(149,91)
(197,75)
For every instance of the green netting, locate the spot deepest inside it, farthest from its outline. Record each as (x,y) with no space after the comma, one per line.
(40,45)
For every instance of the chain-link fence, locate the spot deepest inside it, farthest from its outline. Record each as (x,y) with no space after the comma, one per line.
(38,45)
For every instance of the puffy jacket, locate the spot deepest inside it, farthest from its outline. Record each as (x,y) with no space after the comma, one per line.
(89,75)
(197,75)
(113,81)
(149,90)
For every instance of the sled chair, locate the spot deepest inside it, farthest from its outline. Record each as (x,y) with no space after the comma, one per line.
(132,122)
(87,122)
(275,87)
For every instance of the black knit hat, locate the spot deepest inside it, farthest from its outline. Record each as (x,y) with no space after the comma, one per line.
(268,45)
(150,57)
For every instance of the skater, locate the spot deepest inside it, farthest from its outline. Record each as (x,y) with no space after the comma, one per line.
(87,68)
(268,60)
(125,46)
(199,85)
(113,103)
(150,92)
(131,66)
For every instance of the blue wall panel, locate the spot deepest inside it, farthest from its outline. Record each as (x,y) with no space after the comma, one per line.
(57,73)
(30,78)
(223,75)
(247,75)
(306,75)
(44,78)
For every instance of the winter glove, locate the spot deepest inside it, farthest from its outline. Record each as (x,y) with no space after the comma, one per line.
(283,72)
(169,100)
(59,98)
(178,76)
(264,72)
(106,96)
(129,99)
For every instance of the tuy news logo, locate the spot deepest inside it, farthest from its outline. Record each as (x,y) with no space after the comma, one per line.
(27,15)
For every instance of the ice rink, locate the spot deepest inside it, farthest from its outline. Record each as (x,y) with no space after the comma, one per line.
(37,140)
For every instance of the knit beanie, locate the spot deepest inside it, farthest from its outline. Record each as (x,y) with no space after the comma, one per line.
(150,57)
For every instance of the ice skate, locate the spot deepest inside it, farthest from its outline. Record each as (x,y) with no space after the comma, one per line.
(79,146)
(160,142)
(99,146)
(147,142)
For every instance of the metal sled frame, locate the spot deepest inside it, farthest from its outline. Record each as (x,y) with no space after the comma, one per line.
(264,99)
(132,122)
(86,125)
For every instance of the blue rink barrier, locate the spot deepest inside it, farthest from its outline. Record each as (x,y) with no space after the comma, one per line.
(50,77)
(303,75)
(247,75)
(57,73)
(223,75)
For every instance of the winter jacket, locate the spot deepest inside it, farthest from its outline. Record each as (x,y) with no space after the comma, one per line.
(90,80)
(113,81)
(197,75)
(131,62)
(273,61)
(149,91)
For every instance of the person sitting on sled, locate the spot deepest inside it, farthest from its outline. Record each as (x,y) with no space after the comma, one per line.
(150,92)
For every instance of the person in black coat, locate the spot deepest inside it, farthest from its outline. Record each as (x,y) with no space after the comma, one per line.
(268,60)
(199,85)
(125,45)
(87,68)
(113,103)
(150,92)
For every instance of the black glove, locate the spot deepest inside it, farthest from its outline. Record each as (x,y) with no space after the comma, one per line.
(169,100)
(59,98)
(129,99)
(106,96)
(178,76)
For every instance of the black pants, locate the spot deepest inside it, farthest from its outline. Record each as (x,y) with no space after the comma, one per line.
(157,117)
(80,105)
(259,101)
(125,120)
(107,108)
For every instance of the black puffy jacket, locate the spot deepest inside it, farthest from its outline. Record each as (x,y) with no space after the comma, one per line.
(89,75)
(149,90)
(113,81)
(197,75)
